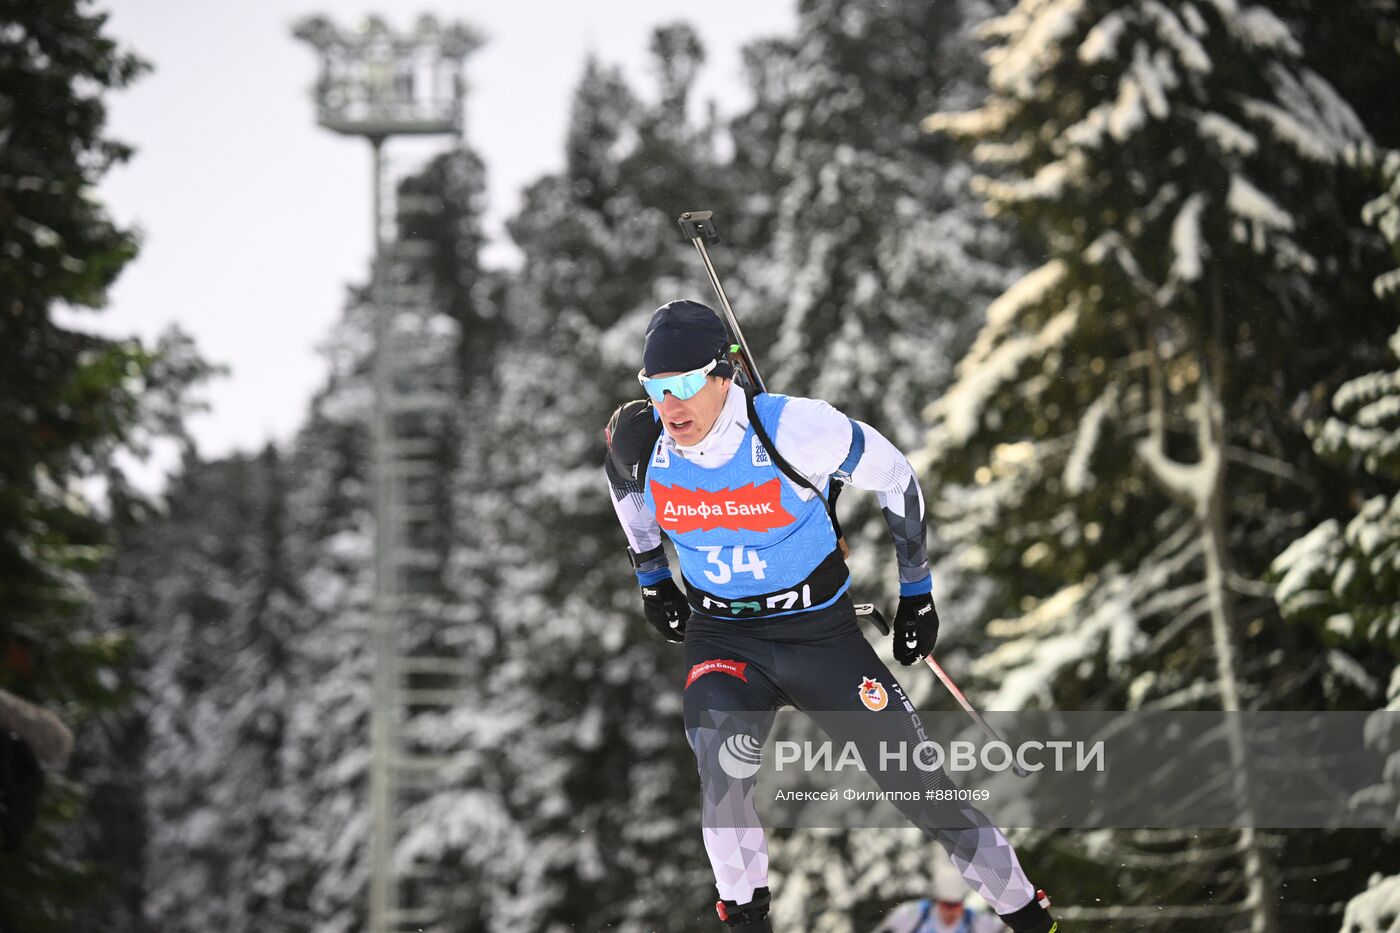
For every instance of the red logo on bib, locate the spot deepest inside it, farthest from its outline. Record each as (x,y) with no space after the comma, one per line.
(748,508)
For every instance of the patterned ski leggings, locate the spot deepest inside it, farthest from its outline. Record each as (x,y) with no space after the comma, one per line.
(816,662)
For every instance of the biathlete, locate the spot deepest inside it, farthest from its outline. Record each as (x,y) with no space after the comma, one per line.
(737,481)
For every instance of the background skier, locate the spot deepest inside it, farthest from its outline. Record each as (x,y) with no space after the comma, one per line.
(942,912)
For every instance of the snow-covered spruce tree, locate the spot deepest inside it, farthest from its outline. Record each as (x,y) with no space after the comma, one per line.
(209,581)
(863,258)
(1344,575)
(1353,46)
(187,778)
(253,683)
(72,403)
(1121,451)
(602,784)
(242,803)
(876,257)
(326,751)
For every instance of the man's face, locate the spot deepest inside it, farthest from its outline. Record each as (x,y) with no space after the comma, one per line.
(689,420)
(949,912)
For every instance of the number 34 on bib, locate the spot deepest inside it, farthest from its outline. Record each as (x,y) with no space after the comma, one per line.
(740,561)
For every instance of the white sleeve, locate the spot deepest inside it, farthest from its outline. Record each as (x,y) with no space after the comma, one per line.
(638,522)
(820,442)
(814,437)
(882,469)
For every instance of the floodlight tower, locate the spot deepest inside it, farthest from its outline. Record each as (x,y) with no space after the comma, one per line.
(377,83)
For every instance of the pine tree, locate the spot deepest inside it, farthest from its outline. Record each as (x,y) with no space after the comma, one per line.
(1122,447)
(1343,577)
(214,692)
(325,755)
(878,255)
(1352,45)
(253,586)
(69,402)
(256,695)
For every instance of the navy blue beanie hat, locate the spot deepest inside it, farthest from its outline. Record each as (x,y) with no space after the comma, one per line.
(685,335)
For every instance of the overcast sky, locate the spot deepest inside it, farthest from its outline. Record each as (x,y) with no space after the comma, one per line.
(253,218)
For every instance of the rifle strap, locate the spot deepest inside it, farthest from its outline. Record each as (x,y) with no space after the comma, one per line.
(790,471)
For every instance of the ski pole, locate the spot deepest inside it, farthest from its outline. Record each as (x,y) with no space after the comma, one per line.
(874,616)
(699,228)
(971,711)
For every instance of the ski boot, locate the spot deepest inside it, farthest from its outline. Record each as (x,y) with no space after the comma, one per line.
(751,917)
(1033,918)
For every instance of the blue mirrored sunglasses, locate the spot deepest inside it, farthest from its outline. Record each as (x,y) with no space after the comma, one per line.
(682,385)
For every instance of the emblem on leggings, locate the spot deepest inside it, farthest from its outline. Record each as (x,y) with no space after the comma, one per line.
(873,695)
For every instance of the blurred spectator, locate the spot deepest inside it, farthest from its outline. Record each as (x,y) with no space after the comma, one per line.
(944,912)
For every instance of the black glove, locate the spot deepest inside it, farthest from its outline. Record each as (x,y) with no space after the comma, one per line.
(666,608)
(915,628)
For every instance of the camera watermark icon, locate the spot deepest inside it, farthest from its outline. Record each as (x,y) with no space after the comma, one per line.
(740,756)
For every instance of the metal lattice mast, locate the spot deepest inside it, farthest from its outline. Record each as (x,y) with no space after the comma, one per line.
(376,84)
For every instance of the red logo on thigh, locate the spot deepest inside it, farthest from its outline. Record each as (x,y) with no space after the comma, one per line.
(732,668)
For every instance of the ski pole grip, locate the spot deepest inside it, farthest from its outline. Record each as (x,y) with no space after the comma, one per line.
(874,616)
(699,224)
